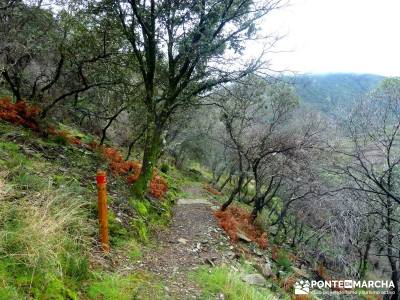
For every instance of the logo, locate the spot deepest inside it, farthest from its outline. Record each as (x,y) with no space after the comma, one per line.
(343,287)
(302,287)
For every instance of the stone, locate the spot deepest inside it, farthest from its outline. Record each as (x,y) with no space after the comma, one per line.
(242,236)
(182,241)
(230,254)
(264,269)
(258,252)
(254,279)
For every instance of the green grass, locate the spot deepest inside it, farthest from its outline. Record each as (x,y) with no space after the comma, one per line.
(44,245)
(133,286)
(223,280)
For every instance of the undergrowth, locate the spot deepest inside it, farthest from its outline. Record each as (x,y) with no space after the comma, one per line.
(228,282)
(235,220)
(48,222)
(44,245)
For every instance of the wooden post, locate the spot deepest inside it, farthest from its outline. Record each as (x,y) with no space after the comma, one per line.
(101,180)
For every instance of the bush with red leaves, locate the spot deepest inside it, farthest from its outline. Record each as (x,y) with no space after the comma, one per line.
(131,169)
(158,187)
(236,219)
(19,113)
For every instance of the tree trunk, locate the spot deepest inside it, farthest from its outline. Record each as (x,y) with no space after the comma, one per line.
(390,253)
(150,155)
(395,278)
(234,193)
(362,269)
(217,178)
(225,182)
(258,200)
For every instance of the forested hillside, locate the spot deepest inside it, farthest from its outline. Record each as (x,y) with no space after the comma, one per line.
(145,154)
(329,92)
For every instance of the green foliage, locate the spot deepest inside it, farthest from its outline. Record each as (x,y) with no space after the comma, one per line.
(11,158)
(140,229)
(228,282)
(140,207)
(283,260)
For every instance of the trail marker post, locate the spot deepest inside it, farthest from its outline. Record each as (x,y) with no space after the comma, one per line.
(101,180)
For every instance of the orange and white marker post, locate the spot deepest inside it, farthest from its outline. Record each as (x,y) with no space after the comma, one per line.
(101,180)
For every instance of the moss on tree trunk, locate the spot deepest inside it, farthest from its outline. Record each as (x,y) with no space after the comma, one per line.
(150,155)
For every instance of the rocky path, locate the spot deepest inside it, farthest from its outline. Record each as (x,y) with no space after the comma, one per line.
(192,240)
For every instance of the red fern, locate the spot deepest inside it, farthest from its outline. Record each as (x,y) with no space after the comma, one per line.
(234,219)
(19,113)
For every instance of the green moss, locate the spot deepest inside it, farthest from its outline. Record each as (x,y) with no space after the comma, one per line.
(118,233)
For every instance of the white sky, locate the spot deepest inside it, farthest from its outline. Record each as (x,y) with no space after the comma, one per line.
(358,36)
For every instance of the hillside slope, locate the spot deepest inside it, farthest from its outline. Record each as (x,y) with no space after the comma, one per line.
(49,245)
(330,91)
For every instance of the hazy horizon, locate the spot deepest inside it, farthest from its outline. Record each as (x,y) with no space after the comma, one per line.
(337,36)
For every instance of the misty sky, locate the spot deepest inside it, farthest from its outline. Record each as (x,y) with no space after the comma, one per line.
(360,36)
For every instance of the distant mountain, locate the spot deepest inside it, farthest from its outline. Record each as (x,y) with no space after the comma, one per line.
(330,91)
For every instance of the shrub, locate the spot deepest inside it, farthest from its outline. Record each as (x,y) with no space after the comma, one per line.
(234,219)
(19,113)
(282,258)
(158,187)
(140,207)
(63,137)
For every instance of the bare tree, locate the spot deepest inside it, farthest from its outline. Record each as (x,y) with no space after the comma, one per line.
(370,162)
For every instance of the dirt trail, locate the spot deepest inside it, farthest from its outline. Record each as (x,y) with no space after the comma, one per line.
(192,240)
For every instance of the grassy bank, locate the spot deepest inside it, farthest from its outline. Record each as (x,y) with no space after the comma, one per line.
(48,223)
